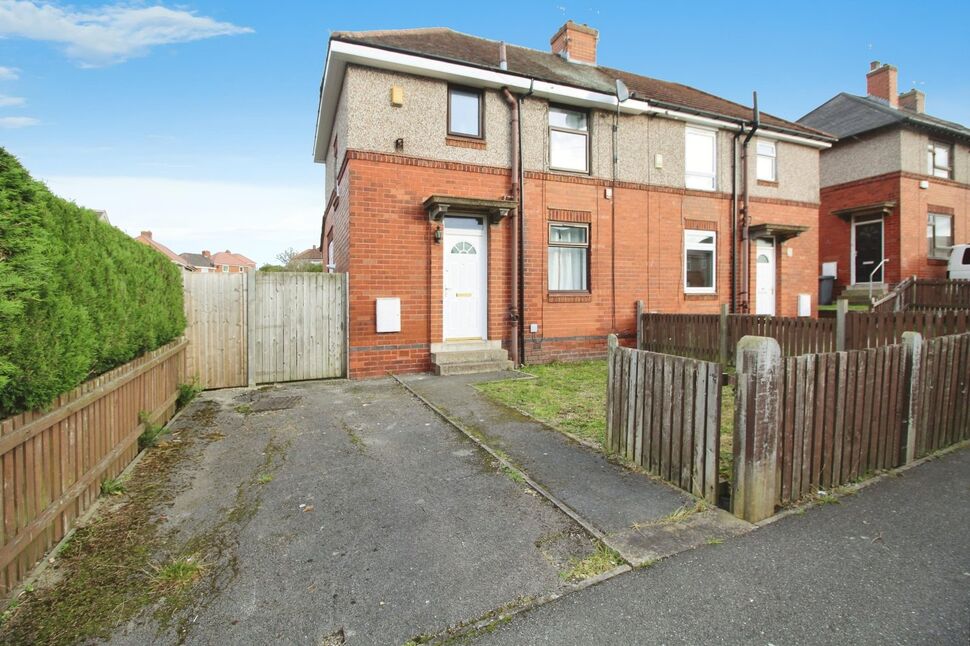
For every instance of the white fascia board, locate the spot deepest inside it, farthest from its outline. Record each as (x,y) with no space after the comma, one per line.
(342,53)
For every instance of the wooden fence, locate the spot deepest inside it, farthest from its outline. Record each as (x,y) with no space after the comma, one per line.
(714,337)
(664,414)
(52,463)
(261,327)
(828,419)
(942,400)
(922,293)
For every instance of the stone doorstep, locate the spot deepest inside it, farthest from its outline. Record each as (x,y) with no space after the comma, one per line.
(468,356)
(472,367)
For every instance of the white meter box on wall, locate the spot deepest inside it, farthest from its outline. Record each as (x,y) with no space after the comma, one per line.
(388,315)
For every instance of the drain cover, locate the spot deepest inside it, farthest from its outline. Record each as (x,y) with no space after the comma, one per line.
(274,403)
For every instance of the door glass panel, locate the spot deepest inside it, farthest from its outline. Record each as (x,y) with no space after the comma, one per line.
(466,224)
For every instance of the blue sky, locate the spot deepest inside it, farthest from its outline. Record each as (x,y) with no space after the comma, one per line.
(196,119)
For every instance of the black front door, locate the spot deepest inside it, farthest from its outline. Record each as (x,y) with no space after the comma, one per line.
(868,252)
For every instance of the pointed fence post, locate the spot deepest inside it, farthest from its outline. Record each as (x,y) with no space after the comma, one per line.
(841,310)
(914,358)
(639,325)
(757,427)
(723,336)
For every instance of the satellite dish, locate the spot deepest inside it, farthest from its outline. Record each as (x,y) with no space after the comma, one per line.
(622,92)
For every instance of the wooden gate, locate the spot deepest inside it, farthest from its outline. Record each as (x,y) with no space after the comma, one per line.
(245,329)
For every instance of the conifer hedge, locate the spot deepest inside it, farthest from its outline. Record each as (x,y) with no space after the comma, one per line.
(77,296)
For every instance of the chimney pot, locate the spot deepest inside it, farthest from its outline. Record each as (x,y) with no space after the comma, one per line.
(881,82)
(575,43)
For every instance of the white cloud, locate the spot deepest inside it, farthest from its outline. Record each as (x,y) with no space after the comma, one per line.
(11,101)
(109,34)
(8,73)
(18,122)
(258,221)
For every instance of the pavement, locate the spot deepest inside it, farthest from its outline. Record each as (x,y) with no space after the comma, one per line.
(351,514)
(889,565)
(628,508)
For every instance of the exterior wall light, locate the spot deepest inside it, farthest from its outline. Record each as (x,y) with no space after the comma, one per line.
(437,235)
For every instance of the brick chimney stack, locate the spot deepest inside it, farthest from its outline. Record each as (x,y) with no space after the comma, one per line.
(914,101)
(576,43)
(206,253)
(146,234)
(881,83)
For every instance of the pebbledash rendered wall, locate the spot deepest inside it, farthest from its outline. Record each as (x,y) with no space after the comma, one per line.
(383,238)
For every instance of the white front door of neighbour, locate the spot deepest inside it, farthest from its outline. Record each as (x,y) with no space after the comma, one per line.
(765,276)
(465,272)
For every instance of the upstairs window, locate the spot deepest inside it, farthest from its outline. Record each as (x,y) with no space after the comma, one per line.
(568,140)
(568,257)
(465,112)
(938,160)
(939,235)
(767,161)
(700,151)
(700,256)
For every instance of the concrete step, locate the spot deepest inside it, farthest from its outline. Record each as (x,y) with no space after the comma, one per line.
(860,295)
(459,346)
(472,368)
(468,356)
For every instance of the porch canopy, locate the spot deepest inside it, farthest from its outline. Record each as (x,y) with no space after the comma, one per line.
(780,232)
(875,210)
(438,206)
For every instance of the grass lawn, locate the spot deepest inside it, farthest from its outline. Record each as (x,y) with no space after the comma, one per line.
(572,397)
(567,396)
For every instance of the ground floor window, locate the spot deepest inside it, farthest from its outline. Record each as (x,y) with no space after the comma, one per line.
(939,235)
(700,256)
(568,257)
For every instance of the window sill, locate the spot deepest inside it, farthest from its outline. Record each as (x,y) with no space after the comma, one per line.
(768,182)
(709,296)
(569,297)
(465,142)
(566,171)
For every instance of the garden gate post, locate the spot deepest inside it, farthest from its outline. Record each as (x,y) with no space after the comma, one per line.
(639,325)
(611,344)
(248,328)
(723,335)
(841,309)
(913,341)
(756,428)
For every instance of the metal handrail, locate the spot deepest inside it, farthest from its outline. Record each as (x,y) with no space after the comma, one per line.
(873,273)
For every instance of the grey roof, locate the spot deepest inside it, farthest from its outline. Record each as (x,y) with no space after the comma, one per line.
(197,260)
(449,45)
(846,115)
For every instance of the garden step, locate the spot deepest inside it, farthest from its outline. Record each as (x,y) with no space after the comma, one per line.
(469,368)
(468,356)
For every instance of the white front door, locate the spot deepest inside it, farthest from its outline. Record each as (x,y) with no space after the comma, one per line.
(465,272)
(764,302)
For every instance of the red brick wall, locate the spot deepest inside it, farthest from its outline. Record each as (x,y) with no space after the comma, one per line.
(904,230)
(391,252)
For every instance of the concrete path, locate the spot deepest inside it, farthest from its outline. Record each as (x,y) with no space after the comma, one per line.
(350,511)
(627,507)
(890,565)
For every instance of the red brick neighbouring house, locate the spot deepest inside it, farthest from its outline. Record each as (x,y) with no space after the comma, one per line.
(228,262)
(895,186)
(145,237)
(479,204)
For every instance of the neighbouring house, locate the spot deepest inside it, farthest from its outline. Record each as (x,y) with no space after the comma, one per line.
(146,238)
(227,262)
(896,186)
(484,207)
(311,256)
(201,261)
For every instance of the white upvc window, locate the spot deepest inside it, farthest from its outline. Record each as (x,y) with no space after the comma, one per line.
(767,161)
(700,262)
(700,159)
(568,257)
(331,263)
(568,139)
(225,269)
(938,160)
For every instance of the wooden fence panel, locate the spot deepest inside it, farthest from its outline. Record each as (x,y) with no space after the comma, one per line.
(943,389)
(875,329)
(664,413)
(52,463)
(686,335)
(215,313)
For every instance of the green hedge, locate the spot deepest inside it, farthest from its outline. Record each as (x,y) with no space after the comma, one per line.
(77,296)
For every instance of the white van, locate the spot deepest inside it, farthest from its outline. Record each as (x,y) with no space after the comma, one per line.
(959,265)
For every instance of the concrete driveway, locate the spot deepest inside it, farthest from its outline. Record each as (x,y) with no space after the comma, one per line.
(351,512)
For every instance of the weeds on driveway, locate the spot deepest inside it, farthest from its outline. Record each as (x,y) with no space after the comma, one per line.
(602,560)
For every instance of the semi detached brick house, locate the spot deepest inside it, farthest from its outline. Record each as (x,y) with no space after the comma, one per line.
(896,185)
(435,142)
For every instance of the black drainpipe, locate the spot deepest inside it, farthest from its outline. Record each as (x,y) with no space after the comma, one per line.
(734,220)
